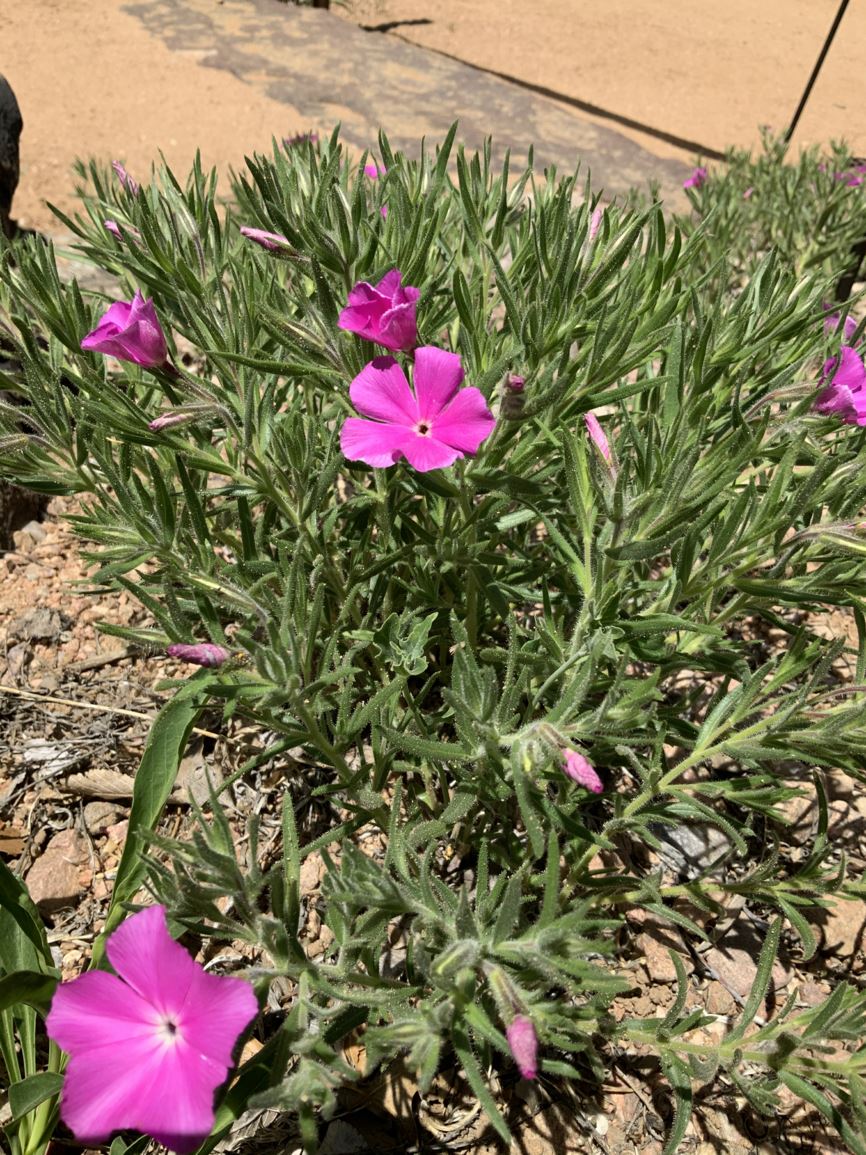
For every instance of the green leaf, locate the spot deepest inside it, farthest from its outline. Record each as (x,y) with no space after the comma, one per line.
(35,988)
(32,1091)
(154,781)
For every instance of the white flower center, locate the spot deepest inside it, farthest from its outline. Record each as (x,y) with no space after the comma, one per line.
(422,428)
(167,1030)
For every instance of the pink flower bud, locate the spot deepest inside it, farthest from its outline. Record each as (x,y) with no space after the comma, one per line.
(384,313)
(125,179)
(373,171)
(598,437)
(515,383)
(523,1044)
(130,331)
(200,654)
(118,233)
(747,195)
(698,178)
(580,770)
(595,222)
(273,242)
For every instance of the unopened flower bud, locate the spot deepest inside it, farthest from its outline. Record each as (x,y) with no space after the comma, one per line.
(199,654)
(125,179)
(273,242)
(523,1044)
(513,399)
(597,434)
(580,770)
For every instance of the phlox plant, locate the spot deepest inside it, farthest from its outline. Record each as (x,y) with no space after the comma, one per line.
(529,641)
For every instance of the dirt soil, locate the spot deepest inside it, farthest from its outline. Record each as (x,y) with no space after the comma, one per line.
(706,73)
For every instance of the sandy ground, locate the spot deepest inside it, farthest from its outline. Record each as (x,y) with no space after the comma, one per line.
(705,72)
(100,85)
(96,82)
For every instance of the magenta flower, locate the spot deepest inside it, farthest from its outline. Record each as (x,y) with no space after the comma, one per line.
(845,395)
(372,170)
(273,242)
(580,770)
(130,331)
(201,653)
(384,313)
(431,427)
(523,1044)
(598,436)
(831,323)
(698,177)
(125,179)
(148,1049)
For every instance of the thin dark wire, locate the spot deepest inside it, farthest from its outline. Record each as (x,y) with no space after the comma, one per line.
(818,64)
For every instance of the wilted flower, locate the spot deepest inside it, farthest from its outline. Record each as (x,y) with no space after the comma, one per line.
(125,179)
(147,1049)
(580,770)
(598,436)
(431,427)
(300,138)
(523,1044)
(199,654)
(130,331)
(698,177)
(384,313)
(513,398)
(845,394)
(273,242)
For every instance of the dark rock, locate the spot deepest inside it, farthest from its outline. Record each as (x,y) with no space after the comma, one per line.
(10,132)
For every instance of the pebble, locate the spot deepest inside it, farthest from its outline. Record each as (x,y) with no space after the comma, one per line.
(54,879)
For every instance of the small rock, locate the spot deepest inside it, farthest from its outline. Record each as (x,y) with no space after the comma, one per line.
(653,942)
(118,831)
(39,624)
(845,929)
(311,873)
(54,878)
(736,968)
(98,816)
(36,573)
(27,537)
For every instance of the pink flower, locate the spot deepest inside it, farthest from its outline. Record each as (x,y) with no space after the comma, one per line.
(845,395)
(523,1044)
(598,437)
(580,770)
(384,313)
(130,331)
(431,427)
(148,1049)
(595,222)
(372,170)
(698,177)
(831,323)
(125,179)
(747,194)
(201,653)
(273,242)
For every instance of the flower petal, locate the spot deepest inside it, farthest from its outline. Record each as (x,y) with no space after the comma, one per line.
(465,422)
(216,1011)
(381,390)
(373,442)
(425,453)
(145,955)
(438,376)
(849,369)
(97,1010)
(156,1086)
